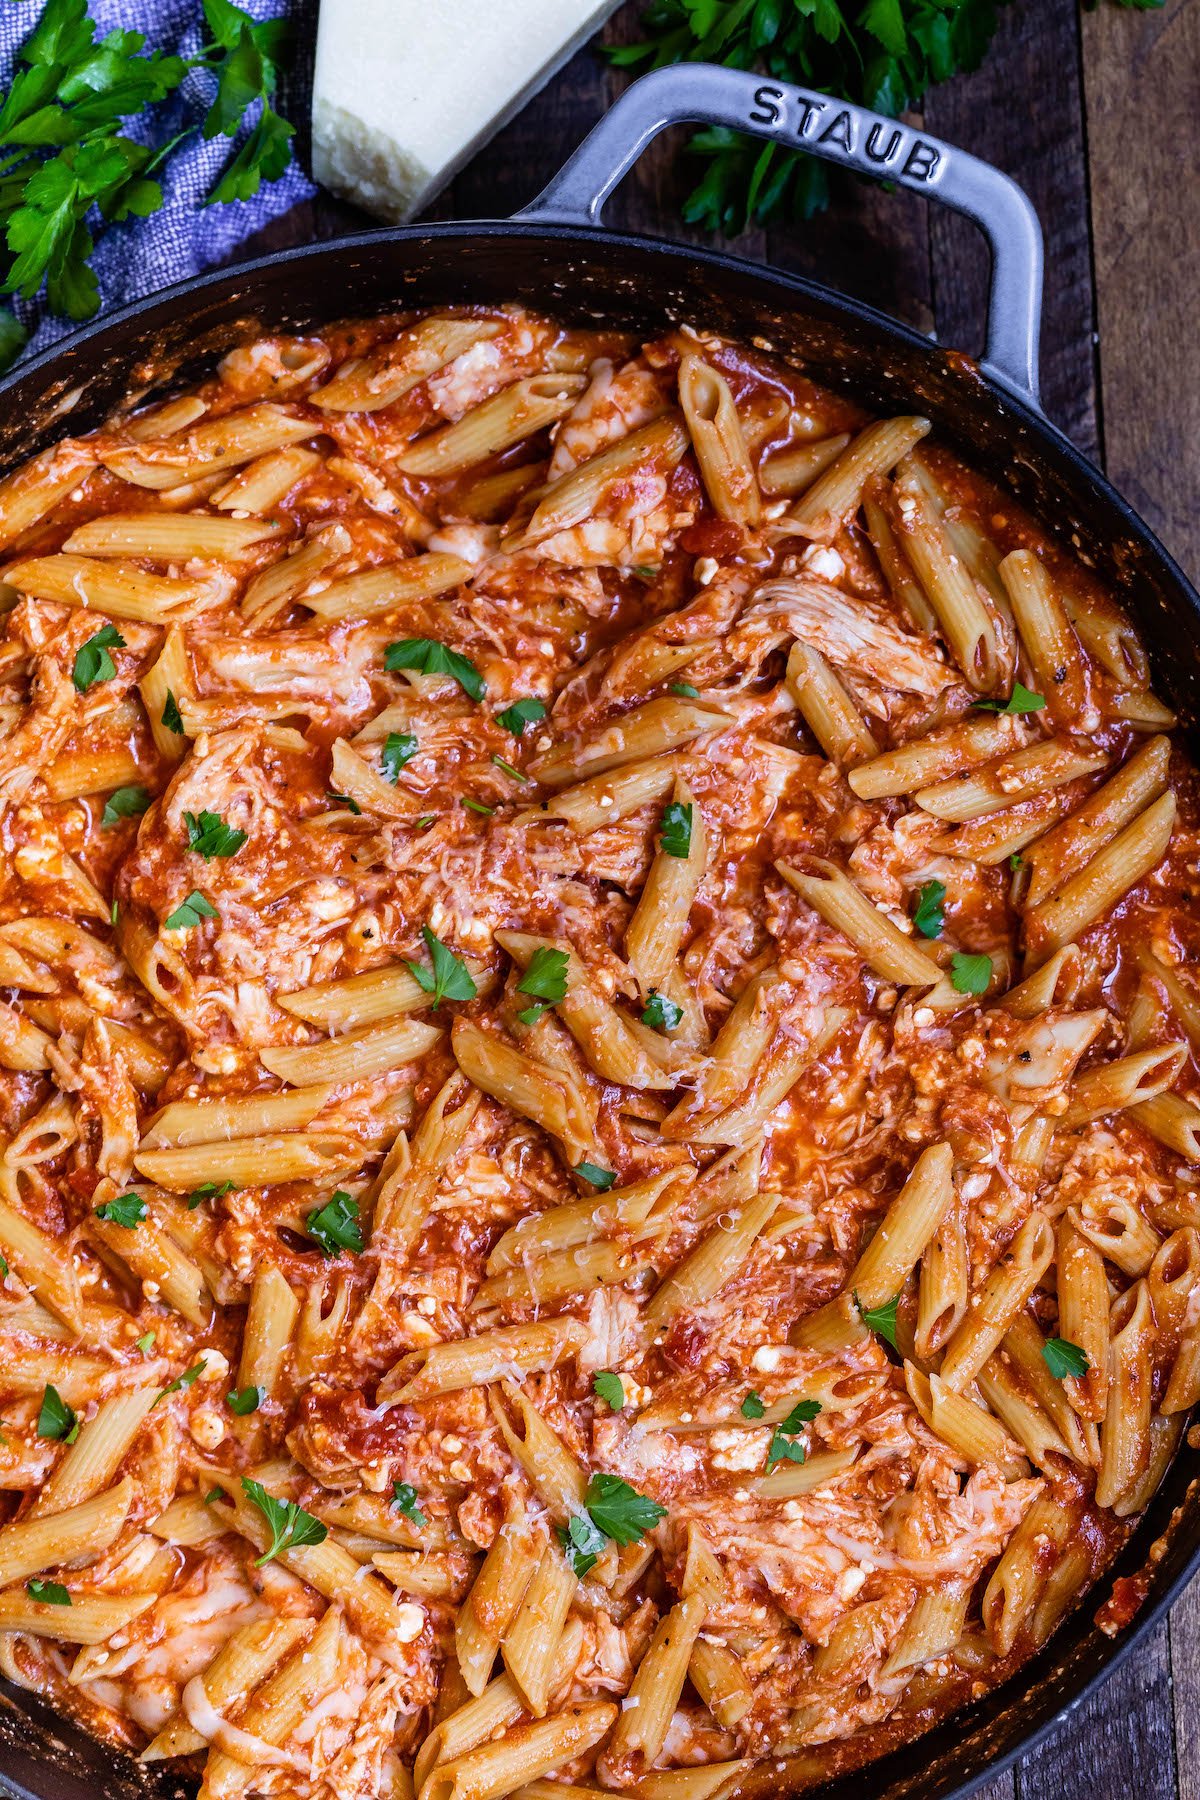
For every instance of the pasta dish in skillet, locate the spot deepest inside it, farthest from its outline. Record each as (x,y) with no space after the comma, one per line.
(599,1139)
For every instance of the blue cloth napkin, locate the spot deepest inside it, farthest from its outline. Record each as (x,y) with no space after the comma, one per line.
(185,236)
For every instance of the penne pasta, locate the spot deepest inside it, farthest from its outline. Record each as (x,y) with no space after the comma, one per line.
(718,441)
(841,904)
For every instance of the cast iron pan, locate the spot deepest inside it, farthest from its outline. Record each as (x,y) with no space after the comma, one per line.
(553,257)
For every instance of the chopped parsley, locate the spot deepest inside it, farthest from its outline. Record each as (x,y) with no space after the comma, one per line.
(660,1013)
(50,1593)
(582,1543)
(128,1210)
(209,835)
(208,1190)
(345,800)
(785,1445)
(191,912)
(1016,861)
(290,1526)
(880,1319)
(172,718)
(685,690)
(545,980)
(610,1388)
(245,1400)
(970,974)
(752,1406)
(1021,700)
(1064,1358)
(404,1499)
(447,978)
(55,1418)
(619,1511)
(186,1380)
(508,769)
(335,1226)
(929,915)
(599,1178)
(521,713)
(612,1510)
(675,830)
(429,656)
(124,803)
(399,747)
(146,1342)
(92,660)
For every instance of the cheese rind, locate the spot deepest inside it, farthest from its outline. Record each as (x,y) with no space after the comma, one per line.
(405,91)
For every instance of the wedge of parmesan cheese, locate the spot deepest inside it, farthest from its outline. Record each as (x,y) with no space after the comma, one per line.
(406,90)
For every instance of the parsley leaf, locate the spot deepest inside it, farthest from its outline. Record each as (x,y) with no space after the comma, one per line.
(345,800)
(610,1388)
(970,974)
(685,690)
(675,830)
(783,1446)
(209,835)
(128,1210)
(431,657)
(245,1400)
(399,747)
(291,1527)
(172,718)
(619,1511)
(92,660)
(582,1542)
(752,1406)
(521,713)
(208,1190)
(880,1319)
(1019,701)
(1064,1358)
(55,1418)
(186,1380)
(545,979)
(404,1499)
(124,803)
(190,913)
(929,916)
(660,1013)
(447,978)
(599,1178)
(335,1225)
(50,1593)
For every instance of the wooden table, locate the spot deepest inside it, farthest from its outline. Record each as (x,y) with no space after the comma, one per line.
(1095,117)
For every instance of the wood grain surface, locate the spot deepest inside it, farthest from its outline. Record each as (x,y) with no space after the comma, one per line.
(1095,115)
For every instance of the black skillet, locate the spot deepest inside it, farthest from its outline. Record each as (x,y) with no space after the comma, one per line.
(554,257)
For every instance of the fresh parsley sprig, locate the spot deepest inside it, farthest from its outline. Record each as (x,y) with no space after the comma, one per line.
(66,161)
(447,978)
(612,1510)
(545,980)
(290,1526)
(883,55)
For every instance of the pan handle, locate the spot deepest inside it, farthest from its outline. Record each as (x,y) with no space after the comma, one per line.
(864,141)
